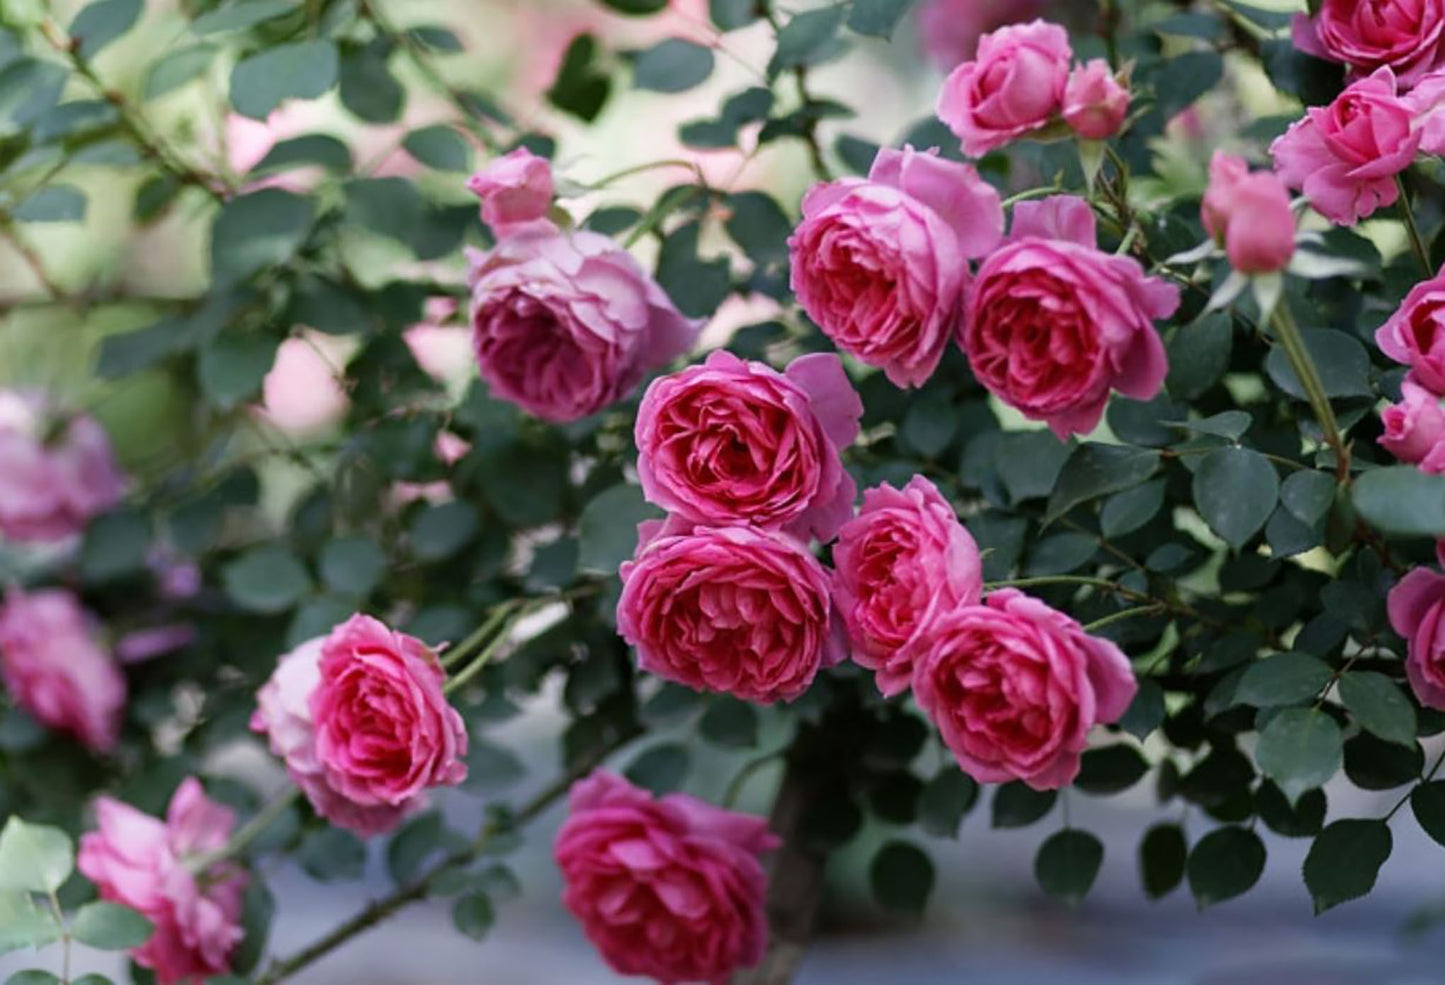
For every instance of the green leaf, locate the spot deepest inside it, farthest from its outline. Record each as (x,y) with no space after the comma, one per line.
(877,18)
(256,231)
(1345,860)
(1236,489)
(1180,80)
(729,15)
(1127,511)
(116,544)
(1402,500)
(173,70)
(368,89)
(410,847)
(1094,470)
(352,565)
(34,858)
(1145,712)
(1111,769)
(241,15)
(438,39)
(730,723)
(1067,865)
(695,285)
(23,924)
(1308,495)
(1199,355)
(673,65)
(1343,364)
(391,207)
(760,226)
(1162,856)
(1286,679)
(945,800)
(473,915)
(930,423)
(607,530)
(902,878)
(580,88)
(333,855)
(1017,805)
(636,8)
(1230,424)
(233,365)
(440,531)
(266,579)
(439,147)
(661,768)
(110,926)
(809,37)
(300,70)
(1428,803)
(53,203)
(33,976)
(1300,749)
(1379,705)
(101,22)
(1224,864)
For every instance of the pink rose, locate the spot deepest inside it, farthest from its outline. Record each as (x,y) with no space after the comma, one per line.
(733,609)
(1095,102)
(882,264)
(514,188)
(360,719)
(903,561)
(732,441)
(1053,323)
(1405,35)
(1015,686)
(564,325)
(1415,607)
(141,862)
(1415,334)
(1415,429)
(1345,156)
(1249,215)
(668,888)
(1015,86)
(54,668)
(950,29)
(1426,103)
(54,476)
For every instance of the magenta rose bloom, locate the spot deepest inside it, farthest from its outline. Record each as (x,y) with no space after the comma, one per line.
(1415,607)
(1415,429)
(902,561)
(360,719)
(514,188)
(564,325)
(949,29)
(140,862)
(1405,35)
(54,668)
(882,264)
(732,441)
(733,609)
(1345,156)
(1054,323)
(54,476)
(1095,101)
(1249,215)
(1415,334)
(1015,686)
(1013,87)
(669,888)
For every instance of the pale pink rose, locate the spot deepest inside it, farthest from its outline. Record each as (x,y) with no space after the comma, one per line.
(54,474)
(1426,103)
(1054,323)
(733,441)
(1095,101)
(882,264)
(1416,605)
(440,346)
(1405,35)
(900,563)
(1249,215)
(670,888)
(1415,334)
(141,862)
(54,668)
(1345,156)
(733,609)
(950,29)
(1015,686)
(514,188)
(1415,429)
(1014,87)
(302,393)
(564,325)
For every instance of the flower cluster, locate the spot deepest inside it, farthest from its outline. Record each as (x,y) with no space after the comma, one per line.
(55,472)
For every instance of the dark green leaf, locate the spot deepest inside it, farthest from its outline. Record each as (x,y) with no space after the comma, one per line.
(440,531)
(673,65)
(1127,511)
(1302,819)
(732,14)
(1068,863)
(1307,495)
(333,855)
(1286,679)
(1236,490)
(1379,705)
(944,802)
(412,844)
(661,768)
(259,230)
(33,976)
(758,224)
(1428,803)
(1343,364)
(352,565)
(730,723)
(1372,763)
(53,203)
(1345,860)
(695,285)
(239,16)
(902,878)
(1199,355)
(877,18)
(368,89)
(580,89)
(439,147)
(637,8)
(110,926)
(1224,864)
(1145,712)
(1111,769)
(1017,805)
(116,544)
(233,365)
(473,916)
(1402,500)
(173,70)
(301,70)
(1299,749)
(1095,470)
(1180,80)
(931,423)
(101,22)
(1162,855)
(438,39)
(807,38)
(608,528)
(1230,424)
(266,579)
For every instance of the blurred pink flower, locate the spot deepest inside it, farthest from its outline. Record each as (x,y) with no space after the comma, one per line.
(949,29)
(301,394)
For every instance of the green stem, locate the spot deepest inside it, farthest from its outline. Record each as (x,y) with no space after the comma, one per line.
(499,612)
(1032,193)
(746,773)
(672,162)
(248,832)
(1048,580)
(462,677)
(1141,610)
(1290,339)
(1417,242)
(1439,761)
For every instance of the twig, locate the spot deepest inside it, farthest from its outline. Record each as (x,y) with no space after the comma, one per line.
(1417,243)
(32,260)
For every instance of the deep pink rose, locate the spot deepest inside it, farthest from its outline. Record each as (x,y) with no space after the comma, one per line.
(733,609)
(360,719)
(950,29)
(1345,156)
(1415,429)
(1416,605)
(1015,86)
(669,888)
(1095,101)
(141,862)
(1415,334)
(54,668)
(1249,215)
(1053,323)
(54,476)
(565,324)
(1405,35)
(732,441)
(514,188)
(882,264)
(1015,686)
(900,563)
